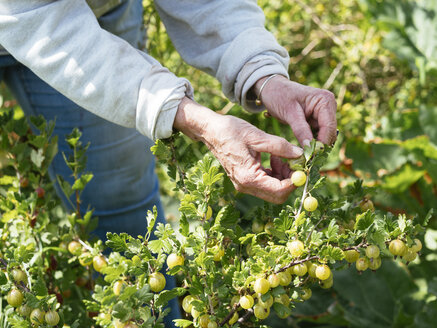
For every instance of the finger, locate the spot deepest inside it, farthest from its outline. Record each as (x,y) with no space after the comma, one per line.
(314,124)
(326,118)
(299,125)
(279,168)
(274,145)
(271,189)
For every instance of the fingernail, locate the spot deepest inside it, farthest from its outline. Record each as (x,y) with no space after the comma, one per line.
(306,143)
(298,151)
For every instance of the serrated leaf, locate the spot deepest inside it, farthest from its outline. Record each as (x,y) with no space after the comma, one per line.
(127,292)
(32,301)
(40,287)
(332,230)
(363,221)
(112,273)
(121,311)
(117,242)
(226,217)
(161,151)
(160,245)
(144,295)
(167,295)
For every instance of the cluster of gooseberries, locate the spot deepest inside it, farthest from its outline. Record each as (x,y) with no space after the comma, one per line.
(15,298)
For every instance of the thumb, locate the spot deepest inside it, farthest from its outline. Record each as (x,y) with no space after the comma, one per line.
(276,146)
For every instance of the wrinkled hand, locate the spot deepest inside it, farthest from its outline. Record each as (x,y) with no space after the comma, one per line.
(238,146)
(302,107)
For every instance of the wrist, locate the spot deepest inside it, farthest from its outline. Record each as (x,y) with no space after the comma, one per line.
(264,83)
(193,119)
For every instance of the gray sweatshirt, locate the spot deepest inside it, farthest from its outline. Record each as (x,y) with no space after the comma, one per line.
(62,42)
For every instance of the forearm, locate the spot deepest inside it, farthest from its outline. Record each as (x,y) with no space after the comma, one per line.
(63,44)
(230,42)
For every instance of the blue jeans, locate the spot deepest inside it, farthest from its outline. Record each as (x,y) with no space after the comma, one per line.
(124,186)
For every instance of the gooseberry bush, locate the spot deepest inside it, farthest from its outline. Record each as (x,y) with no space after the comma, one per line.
(234,270)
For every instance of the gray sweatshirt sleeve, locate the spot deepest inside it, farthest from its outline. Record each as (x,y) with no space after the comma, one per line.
(62,43)
(227,39)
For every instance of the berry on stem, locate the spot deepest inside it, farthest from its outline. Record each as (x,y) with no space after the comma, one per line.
(374,263)
(372,251)
(310,204)
(186,303)
(417,246)
(298,178)
(157,281)
(246,302)
(15,297)
(174,260)
(37,317)
(19,275)
(306,294)
(351,256)
(323,272)
(273,280)
(260,311)
(284,278)
(300,269)
(296,248)
(52,318)
(75,248)
(261,286)
(99,263)
(362,264)
(397,247)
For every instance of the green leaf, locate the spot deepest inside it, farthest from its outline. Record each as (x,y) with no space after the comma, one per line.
(121,311)
(159,245)
(402,222)
(182,323)
(332,230)
(363,221)
(167,295)
(426,318)
(281,310)
(3,278)
(40,287)
(144,295)
(37,157)
(127,292)
(65,186)
(184,227)
(227,217)
(112,273)
(402,179)
(160,150)
(32,301)
(81,183)
(117,242)
(428,217)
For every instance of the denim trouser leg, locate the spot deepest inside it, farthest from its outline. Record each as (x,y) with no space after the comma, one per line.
(124,185)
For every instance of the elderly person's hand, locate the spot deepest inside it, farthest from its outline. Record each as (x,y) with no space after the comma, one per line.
(238,146)
(302,107)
